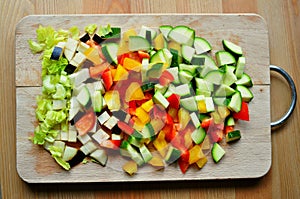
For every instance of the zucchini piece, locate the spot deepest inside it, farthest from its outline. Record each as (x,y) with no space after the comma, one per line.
(155,70)
(217,152)
(232,48)
(146,154)
(165,30)
(240,67)
(233,135)
(201,45)
(158,98)
(146,30)
(182,35)
(225,58)
(230,121)
(147,86)
(198,60)
(100,156)
(224,91)
(185,77)
(158,57)
(148,131)
(198,135)
(245,80)
(136,43)
(174,72)
(187,53)
(189,103)
(176,58)
(246,93)
(229,76)
(172,155)
(183,90)
(97,101)
(195,119)
(110,51)
(215,77)
(84,97)
(235,103)
(209,65)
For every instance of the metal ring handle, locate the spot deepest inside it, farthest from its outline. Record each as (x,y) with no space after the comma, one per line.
(286,116)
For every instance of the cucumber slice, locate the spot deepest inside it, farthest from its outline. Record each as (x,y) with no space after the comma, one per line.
(172,155)
(110,51)
(229,76)
(187,53)
(215,77)
(183,90)
(189,103)
(201,45)
(198,60)
(240,67)
(155,70)
(224,91)
(160,88)
(84,96)
(174,72)
(245,80)
(246,93)
(235,103)
(100,156)
(165,30)
(136,43)
(146,30)
(233,135)
(185,77)
(147,131)
(158,98)
(230,121)
(158,57)
(209,103)
(217,152)
(204,85)
(182,35)
(97,101)
(147,86)
(146,154)
(209,65)
(231,47)
(195,119)
(176,58)
(225,58)
(198,135)
(170,90)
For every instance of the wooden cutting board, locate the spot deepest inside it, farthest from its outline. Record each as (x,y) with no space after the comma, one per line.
(250,157)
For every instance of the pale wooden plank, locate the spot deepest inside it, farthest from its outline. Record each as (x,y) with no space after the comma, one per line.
(249,31)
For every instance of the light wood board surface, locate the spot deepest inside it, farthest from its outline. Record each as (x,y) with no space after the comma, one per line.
(282,181)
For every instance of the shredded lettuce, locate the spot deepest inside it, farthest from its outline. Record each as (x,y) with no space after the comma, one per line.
(74,32)
(35,47)
(91,28)
(103,31)
(57,153)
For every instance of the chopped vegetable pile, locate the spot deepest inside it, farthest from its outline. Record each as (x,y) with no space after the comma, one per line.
(158,97)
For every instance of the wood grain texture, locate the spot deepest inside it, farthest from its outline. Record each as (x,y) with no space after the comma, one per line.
(282,181)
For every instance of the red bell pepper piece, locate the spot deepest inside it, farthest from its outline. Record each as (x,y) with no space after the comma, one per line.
(243,114)
(183,161)
(122,57)
(174,101)
(111,144)
(132,107)
(166,78)
(107,79)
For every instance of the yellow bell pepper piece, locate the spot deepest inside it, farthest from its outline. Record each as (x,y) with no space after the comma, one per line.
(131,64)
(130,167)
(93,55)
(147,106)
(112,99)
(200,163)
(157,160)
(161,144)
(121,73)
(223,111)
(196,154)
(128,33)
(134,92)
(202,106)
(142,115)
(159,42)
(138,124)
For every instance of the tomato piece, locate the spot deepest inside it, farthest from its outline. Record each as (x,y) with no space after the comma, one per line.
(174,101)
(206,123)
(143,54)
(86,123)
(166,78)
(228,129)
(243,114)
(97,70)
(107,79)
(132,107)
(125,128)
(111,144)
(215,135)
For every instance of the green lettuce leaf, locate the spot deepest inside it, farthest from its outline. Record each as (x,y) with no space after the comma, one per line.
(57,153)
(35,47)
(91,28)
(74,32)
(103,31)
